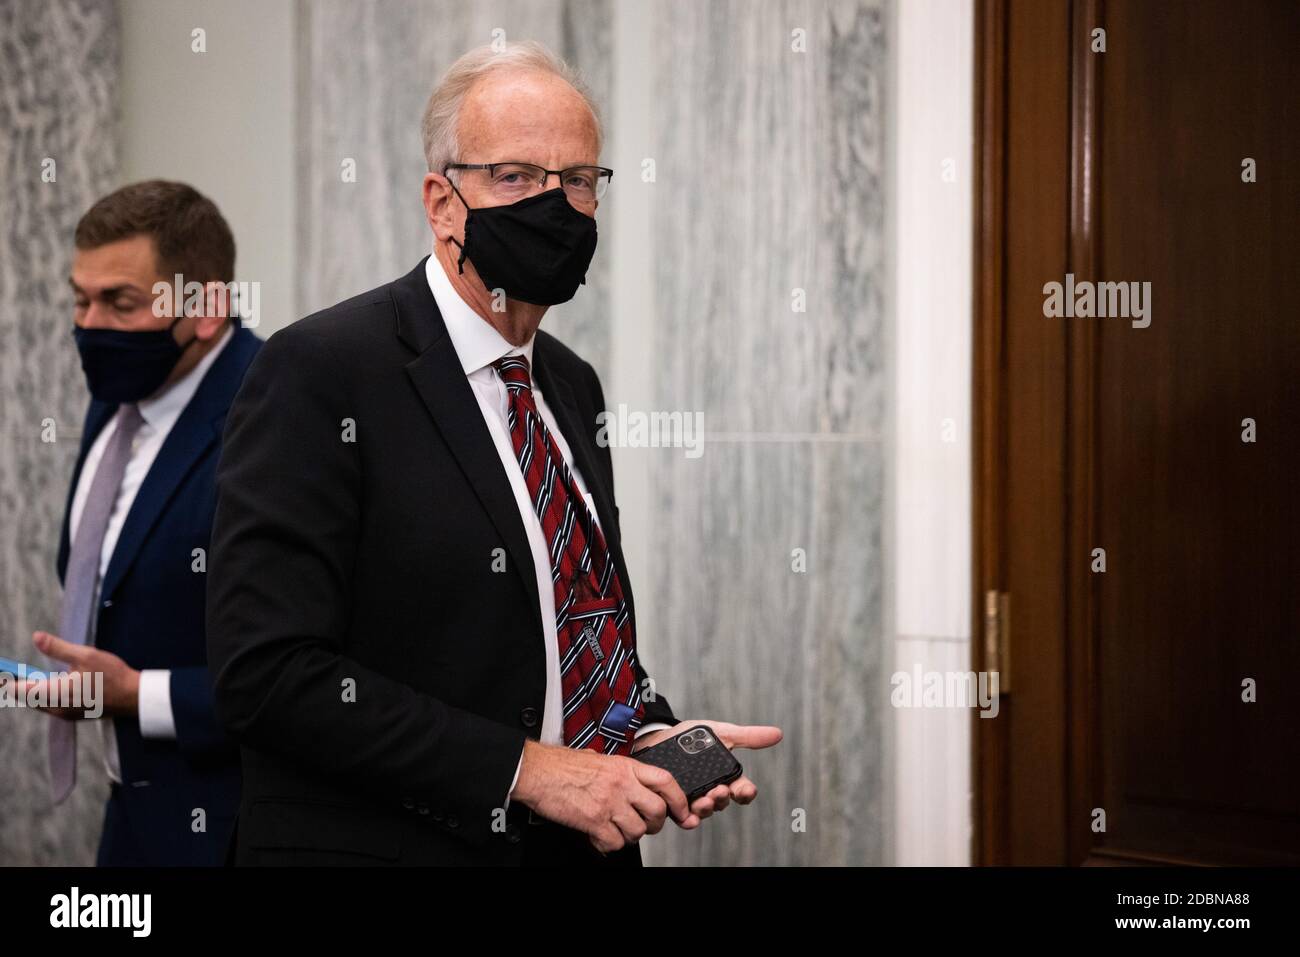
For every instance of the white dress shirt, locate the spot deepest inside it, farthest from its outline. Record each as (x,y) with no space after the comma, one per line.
(160,412)
(478,345)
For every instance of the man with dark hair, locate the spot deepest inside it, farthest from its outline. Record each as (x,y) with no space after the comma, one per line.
(162,371)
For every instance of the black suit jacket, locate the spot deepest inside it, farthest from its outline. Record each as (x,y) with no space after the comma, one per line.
(379,674)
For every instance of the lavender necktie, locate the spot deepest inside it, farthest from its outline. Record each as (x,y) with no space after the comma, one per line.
(81,579)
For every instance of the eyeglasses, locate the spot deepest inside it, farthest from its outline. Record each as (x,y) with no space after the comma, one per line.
(511,182)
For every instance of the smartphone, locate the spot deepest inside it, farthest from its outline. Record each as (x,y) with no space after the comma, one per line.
(19,670)
(696,758)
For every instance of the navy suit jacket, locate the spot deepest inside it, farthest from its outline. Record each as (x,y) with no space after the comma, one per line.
(151,614)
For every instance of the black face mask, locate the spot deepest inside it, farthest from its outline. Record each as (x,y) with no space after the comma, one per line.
(537,249)
(122,366)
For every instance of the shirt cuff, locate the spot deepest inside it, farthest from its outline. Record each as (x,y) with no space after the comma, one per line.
(647,728)
(518,768)
(156,718)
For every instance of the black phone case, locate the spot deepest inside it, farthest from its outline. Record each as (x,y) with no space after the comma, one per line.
(695,773)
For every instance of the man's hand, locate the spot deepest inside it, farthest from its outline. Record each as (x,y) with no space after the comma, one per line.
(121,681)
(742,790)
(612,799)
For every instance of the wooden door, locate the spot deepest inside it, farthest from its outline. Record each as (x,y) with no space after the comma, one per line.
(1171,441)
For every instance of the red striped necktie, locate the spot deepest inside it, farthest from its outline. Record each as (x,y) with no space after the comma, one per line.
(597,642)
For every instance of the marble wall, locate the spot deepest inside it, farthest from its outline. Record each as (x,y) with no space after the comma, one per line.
(59,75)
(769,278)
(742,275)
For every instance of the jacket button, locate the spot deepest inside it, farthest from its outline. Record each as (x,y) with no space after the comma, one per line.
(529,717)
(108,603)
(512,834)
(408,804)
(452,821)
(437,815)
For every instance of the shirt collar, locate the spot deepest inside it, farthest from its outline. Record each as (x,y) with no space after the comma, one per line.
(477,342)
(164,408)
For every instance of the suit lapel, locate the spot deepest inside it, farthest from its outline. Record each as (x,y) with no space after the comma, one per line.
(446,393)
(188,440)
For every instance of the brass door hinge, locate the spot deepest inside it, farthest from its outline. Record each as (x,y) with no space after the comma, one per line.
(997,637)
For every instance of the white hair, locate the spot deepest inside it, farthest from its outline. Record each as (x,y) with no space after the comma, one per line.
(442,114)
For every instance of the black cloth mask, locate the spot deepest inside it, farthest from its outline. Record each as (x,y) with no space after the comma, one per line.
(537,249)
(127,365)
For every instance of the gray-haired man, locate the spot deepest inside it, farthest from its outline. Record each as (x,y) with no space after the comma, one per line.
(420,617)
